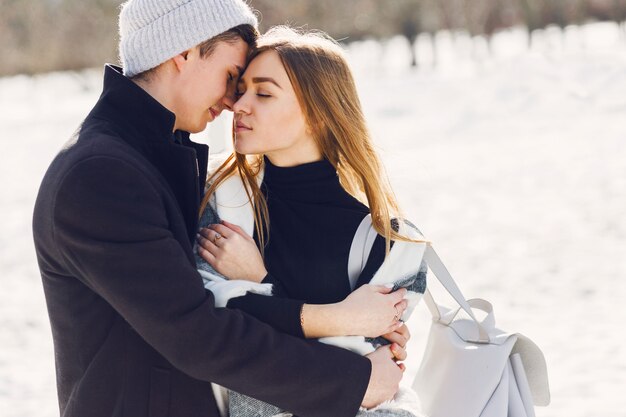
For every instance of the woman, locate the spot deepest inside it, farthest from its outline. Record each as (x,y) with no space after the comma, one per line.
(308,177)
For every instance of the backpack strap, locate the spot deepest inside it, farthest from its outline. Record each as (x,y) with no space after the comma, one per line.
(360,249)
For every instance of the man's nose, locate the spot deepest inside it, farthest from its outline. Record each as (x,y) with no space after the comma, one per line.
(228,101)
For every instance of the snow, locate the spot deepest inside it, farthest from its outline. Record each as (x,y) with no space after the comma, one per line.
(513,164)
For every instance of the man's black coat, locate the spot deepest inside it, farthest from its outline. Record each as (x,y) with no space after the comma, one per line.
(135,332)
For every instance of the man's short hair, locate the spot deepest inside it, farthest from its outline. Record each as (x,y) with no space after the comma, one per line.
(247,33)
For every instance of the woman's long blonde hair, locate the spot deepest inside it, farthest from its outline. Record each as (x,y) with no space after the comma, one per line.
(325,88)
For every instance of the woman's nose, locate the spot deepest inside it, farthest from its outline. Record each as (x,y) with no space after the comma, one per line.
(241,105)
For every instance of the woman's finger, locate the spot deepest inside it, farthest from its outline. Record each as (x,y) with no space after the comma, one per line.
(211,236)
(208,245)
(400,336)
(202,240)
(236,228)
(404,331)
(223,230)
(397,296)
(395,337)
(398,311)
(401,307)
(399,353)
(393,327)
(206,255)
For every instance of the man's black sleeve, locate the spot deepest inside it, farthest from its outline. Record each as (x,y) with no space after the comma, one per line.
(278,311)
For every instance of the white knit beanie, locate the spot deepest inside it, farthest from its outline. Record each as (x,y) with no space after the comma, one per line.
(153,31)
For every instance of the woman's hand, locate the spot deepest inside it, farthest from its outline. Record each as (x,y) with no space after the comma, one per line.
(231,252)
(372,311)
(399,337)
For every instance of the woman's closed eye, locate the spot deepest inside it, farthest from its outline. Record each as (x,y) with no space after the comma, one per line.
(239,93)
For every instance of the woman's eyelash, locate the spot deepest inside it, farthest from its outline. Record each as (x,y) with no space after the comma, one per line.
(241,93)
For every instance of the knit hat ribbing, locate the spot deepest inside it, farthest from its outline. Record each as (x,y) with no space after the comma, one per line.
(153,31)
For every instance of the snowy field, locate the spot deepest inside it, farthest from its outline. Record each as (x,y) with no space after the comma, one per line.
(514,164)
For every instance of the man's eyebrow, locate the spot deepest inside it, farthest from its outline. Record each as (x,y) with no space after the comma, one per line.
(257,80)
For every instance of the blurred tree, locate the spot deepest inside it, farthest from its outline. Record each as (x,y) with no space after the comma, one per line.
(451,14)
(481,18)
(619,14)
(539,14)
(531,18)
(407,18)
(45,35)
(57,34)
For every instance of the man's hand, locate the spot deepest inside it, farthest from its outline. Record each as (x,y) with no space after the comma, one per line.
(385,377)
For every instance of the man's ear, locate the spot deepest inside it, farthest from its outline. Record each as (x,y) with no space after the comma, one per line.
(180,60)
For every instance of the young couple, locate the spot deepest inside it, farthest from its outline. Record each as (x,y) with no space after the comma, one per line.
(136,333)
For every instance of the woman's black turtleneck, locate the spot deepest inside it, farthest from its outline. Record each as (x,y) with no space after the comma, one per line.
(312,223)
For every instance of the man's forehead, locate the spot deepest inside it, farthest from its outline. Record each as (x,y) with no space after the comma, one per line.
(235,51)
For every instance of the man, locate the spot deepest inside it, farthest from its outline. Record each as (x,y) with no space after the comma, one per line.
(135,333)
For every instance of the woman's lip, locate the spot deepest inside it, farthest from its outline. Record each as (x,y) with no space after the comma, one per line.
(213,113)
(241,128)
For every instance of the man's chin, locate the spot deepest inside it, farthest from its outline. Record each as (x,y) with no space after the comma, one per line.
(198,128)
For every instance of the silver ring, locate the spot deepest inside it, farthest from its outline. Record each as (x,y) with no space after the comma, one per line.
(217,236)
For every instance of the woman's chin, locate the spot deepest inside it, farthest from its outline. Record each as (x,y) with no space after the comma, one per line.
(242,148)
(244,151)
